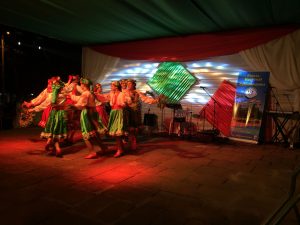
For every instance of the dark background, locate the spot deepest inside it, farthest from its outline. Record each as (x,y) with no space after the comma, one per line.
(27,68)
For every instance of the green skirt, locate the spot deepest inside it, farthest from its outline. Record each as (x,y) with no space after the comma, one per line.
(56,126)
(91,124)
(116,125)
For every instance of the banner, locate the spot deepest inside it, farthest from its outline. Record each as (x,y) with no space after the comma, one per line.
(249,105)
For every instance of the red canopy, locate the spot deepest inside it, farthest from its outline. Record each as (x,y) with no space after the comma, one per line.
(194,47)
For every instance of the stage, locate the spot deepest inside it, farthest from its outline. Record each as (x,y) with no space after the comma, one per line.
(168,181)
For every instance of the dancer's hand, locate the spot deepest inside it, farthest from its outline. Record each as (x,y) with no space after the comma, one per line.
(27,104)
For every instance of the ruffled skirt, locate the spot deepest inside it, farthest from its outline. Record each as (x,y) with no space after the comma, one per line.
(91,124)
(56,126)
(116,125)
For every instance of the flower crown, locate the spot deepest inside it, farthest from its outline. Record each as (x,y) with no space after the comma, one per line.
(85,81)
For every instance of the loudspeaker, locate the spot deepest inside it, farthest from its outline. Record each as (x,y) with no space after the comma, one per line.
(150,119)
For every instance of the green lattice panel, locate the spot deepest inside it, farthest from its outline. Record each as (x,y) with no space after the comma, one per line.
(173,80)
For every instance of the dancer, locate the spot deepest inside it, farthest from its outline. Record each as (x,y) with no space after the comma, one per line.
(72,85)
(73,116)
(100,106)
(123,84)
(91,124)
(42,97)
(116,126)
(56,127)
(134,111)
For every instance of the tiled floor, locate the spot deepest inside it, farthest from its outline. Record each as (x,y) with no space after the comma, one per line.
(168,181)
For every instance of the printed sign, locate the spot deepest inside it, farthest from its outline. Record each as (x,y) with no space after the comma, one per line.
(249,105)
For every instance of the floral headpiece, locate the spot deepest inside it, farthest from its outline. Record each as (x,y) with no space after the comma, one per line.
(98,85)
(123,81)
(85,81)
(133,82)
(117,84)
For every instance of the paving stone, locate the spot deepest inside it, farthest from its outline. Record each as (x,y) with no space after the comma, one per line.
(168,181)
(93,206)
(70,196)
(114,211)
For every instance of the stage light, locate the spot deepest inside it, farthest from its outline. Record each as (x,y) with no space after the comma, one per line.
(145,71)
(203,71)
(148,66)
(39,47)
(129,71)
(19,42)
(190,100)
(195,65)
(200,77)
(200,91)
(7,32)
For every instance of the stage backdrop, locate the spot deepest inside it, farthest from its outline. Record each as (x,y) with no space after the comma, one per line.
(249,105)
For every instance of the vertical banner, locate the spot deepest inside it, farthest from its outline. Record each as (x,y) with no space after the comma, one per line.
(249,105)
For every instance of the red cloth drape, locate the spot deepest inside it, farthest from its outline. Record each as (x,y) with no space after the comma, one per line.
(218,111)
(194,47)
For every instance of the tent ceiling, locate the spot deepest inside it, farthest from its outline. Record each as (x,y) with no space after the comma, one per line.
(109,21)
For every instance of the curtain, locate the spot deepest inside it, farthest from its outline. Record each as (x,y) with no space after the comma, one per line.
(193,47)
(281,58)
(96,65)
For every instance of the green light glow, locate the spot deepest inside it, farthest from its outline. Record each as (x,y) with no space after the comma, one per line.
(173,80)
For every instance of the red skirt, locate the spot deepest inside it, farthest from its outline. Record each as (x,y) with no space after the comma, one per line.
(45,117)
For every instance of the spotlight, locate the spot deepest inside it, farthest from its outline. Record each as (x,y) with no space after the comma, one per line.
(19,42)
(7,32)
(39,47)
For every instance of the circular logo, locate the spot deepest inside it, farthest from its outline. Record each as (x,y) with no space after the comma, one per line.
(251,92)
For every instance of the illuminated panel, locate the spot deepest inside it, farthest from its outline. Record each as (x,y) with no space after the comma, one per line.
(172,80)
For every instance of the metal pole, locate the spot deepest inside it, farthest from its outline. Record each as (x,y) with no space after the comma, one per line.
(2,63)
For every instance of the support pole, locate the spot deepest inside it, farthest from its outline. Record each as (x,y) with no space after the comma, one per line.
(2,64)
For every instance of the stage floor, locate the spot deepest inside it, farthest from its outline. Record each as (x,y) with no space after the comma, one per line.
(168,181)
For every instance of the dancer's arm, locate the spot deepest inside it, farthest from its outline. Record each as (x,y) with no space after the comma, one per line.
(146,99)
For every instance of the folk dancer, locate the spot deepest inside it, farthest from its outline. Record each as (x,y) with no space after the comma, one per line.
(116,126)
(134,111)
(36,102)
(56,127)
(91,124)
(100,106)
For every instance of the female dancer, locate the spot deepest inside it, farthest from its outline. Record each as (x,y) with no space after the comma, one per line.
(36,102)
(116,126)
(73,115)
(100,106)
(134,111)
(91,124)
(56,126)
